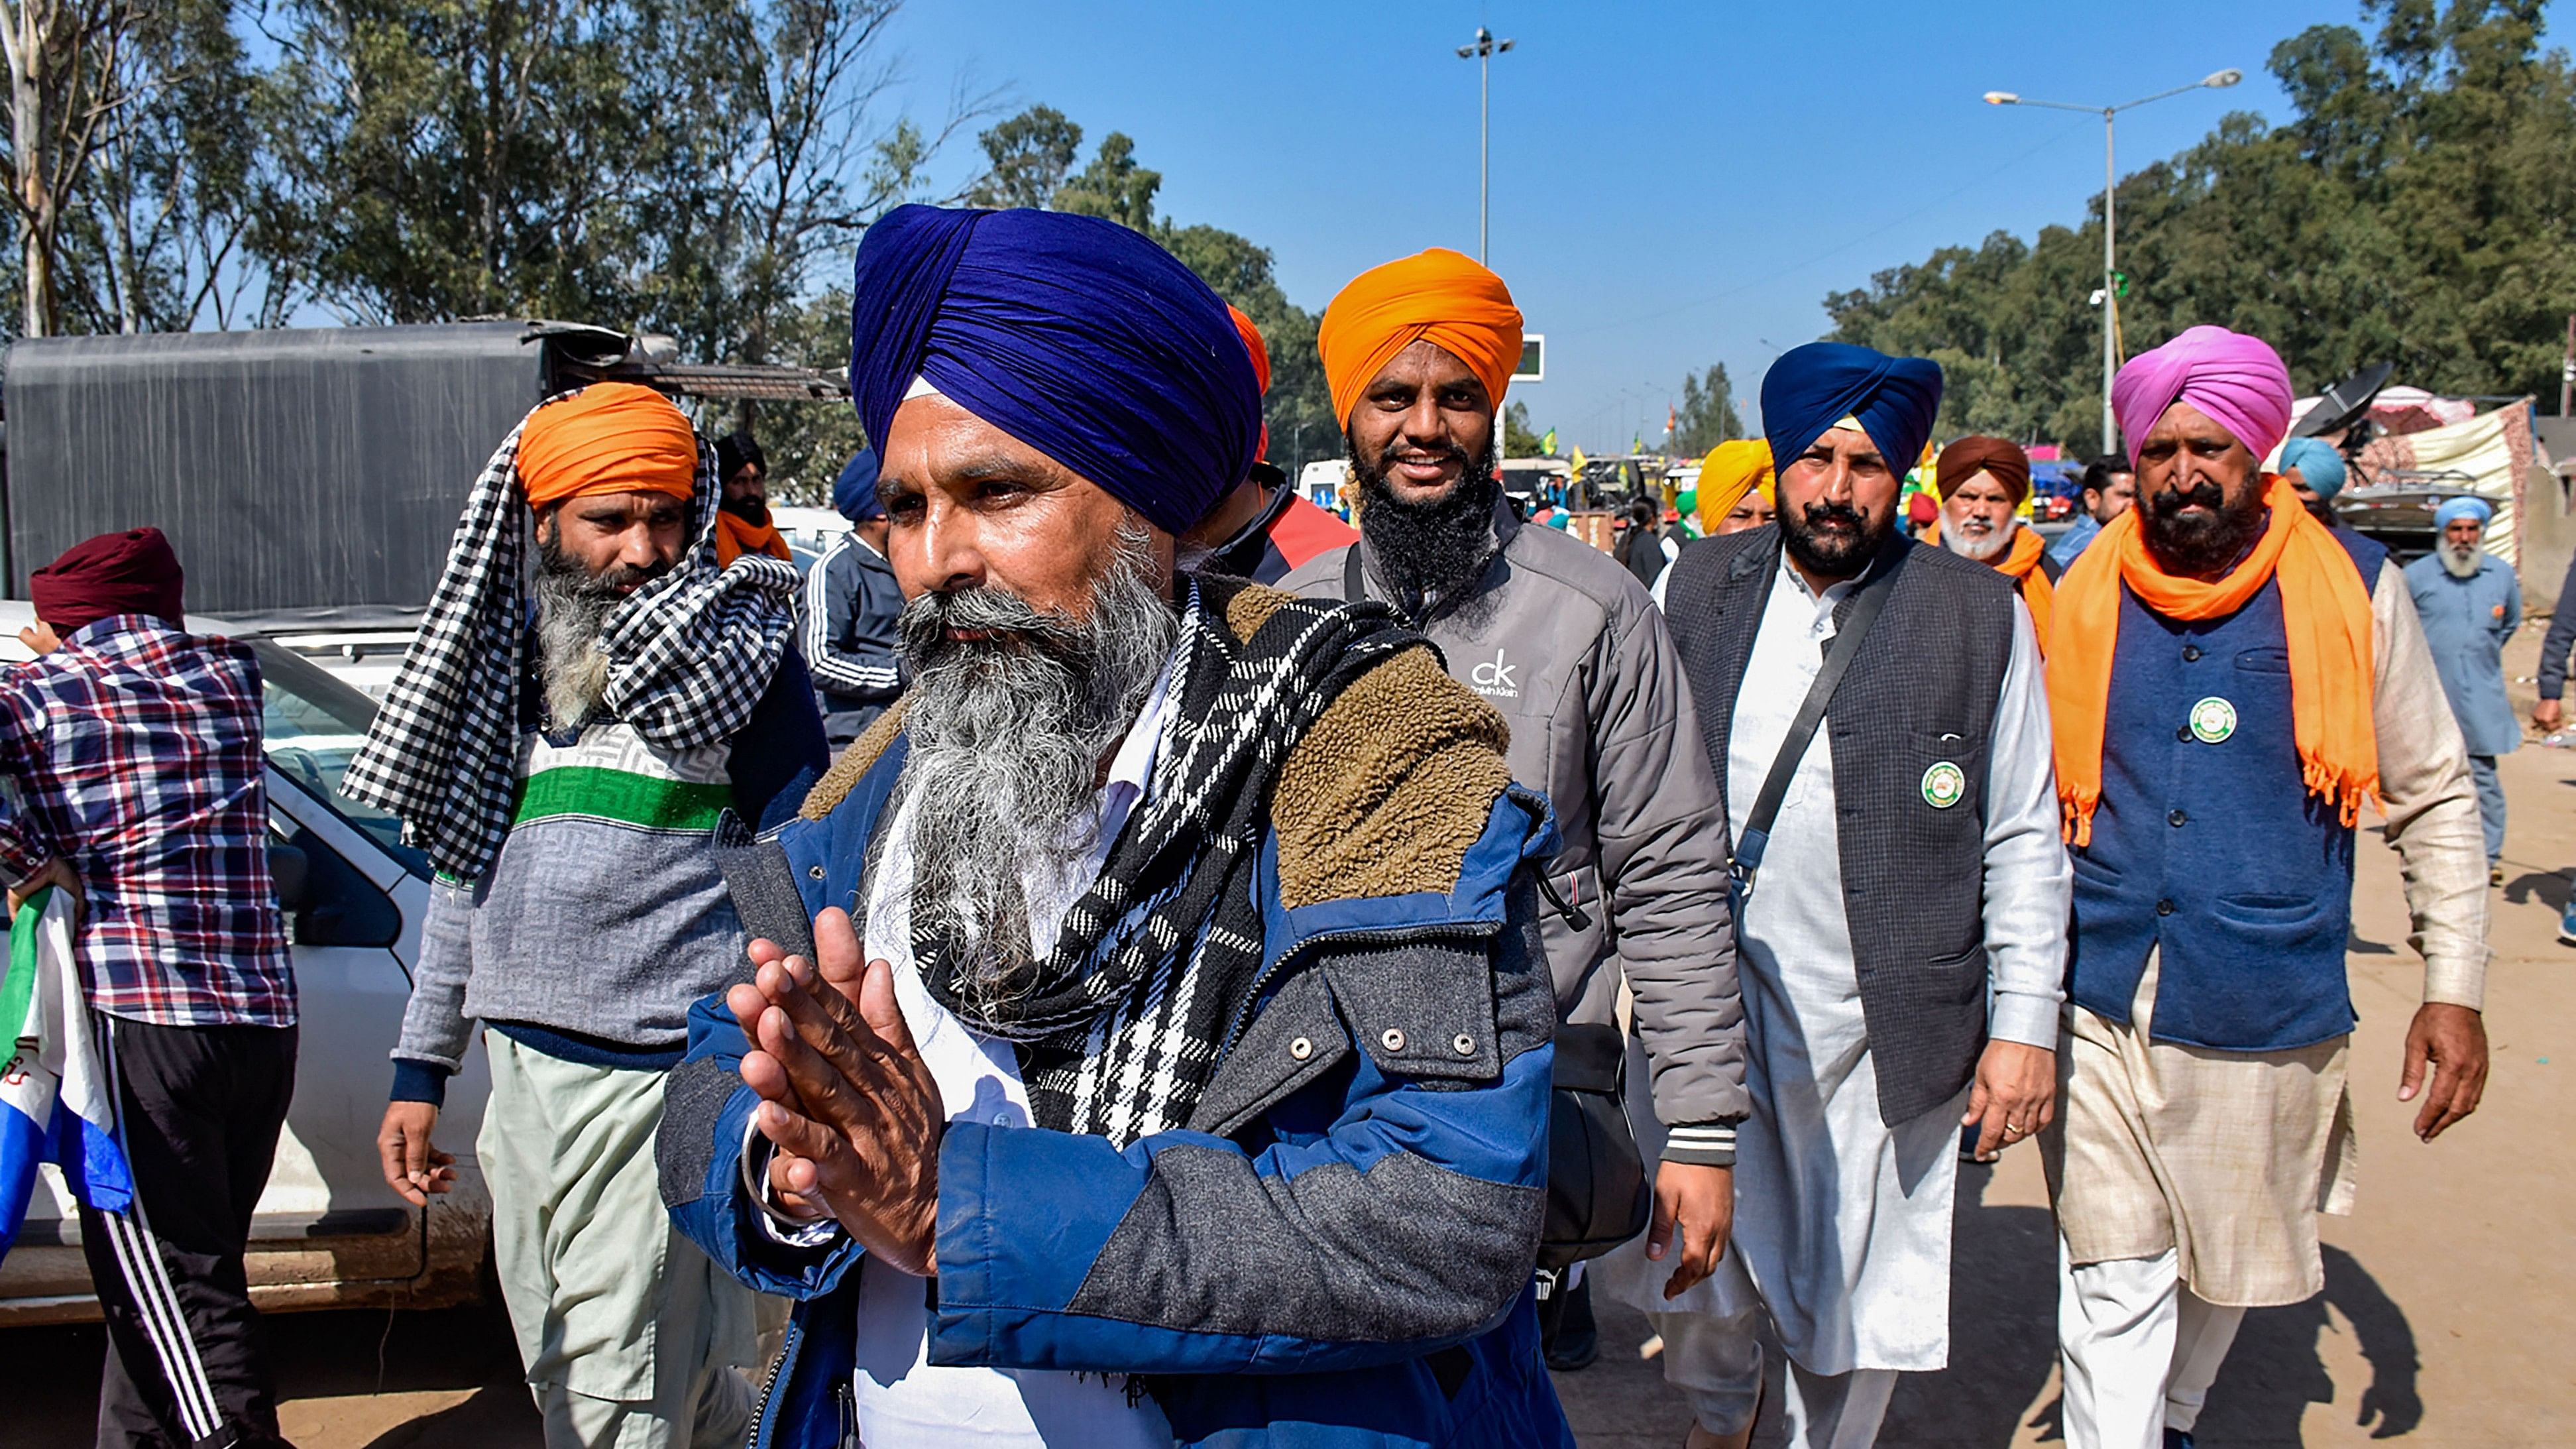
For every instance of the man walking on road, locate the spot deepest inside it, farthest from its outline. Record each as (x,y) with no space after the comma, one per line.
(1557,636)
(2231,679)
(572,782)
(850,607)
(1903,908)
(2110,487)
(1189,1081)
(2470,603)
(1982,482)
(134,751)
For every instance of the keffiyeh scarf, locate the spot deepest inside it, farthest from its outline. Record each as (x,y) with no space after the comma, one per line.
(690,655)
(1154,965)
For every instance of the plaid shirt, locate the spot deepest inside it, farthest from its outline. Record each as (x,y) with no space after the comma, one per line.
(133,752)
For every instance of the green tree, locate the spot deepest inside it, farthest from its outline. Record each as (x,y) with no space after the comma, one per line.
(1027,158)
(2414,209)
(1520,440)
(1113,185)
(1707,415)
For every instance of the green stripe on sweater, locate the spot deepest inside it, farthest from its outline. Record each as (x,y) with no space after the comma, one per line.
(621,798)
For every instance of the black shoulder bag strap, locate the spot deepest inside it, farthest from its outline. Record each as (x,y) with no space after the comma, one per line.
(1784,767)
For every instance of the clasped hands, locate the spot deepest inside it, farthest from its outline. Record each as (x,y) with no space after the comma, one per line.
(854,1116)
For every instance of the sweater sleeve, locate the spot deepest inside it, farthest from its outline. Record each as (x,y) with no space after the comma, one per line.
(849,637)
(435,1029)
(2432,806)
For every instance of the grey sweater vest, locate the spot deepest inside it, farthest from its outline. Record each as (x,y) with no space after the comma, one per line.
(1920,693)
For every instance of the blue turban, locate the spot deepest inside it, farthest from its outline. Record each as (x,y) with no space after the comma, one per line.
(1074,335)
(1813,387)
(2318,463)
(854,493)
(2463,507)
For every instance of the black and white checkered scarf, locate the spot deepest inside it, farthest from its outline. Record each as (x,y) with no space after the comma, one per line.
(689,656)
(1154,968)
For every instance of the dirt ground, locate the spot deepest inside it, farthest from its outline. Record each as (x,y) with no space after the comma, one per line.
(2448,1318)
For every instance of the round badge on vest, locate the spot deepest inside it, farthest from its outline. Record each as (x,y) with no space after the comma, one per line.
(2213,720)
(1943,785)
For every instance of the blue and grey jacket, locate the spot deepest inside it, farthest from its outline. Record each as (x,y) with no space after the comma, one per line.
(1338,1250)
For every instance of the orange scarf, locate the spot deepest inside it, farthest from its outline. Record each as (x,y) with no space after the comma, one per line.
(2021,562)
(2325,614)
(735,537)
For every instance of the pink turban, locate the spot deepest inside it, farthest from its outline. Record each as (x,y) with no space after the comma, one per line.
(2239,381)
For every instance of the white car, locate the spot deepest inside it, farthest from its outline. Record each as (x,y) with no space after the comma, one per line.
(328,1232)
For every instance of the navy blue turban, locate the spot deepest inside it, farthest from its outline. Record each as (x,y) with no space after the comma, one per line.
(1813,387)
(1074,335)
(854,493)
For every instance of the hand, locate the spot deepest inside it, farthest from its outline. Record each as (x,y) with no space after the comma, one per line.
(40,637)
(846,1099)
(2015,1095)
(2453,1041)
(413,1167)
(2548,715)
(1700,1201)
(56,873)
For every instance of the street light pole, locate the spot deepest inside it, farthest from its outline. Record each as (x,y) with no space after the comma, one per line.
(2218,80)
(1482,52)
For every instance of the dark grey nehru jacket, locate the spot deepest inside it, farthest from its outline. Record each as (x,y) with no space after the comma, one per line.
(1922,689)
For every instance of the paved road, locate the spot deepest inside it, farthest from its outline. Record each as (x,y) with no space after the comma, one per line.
(2449,1308)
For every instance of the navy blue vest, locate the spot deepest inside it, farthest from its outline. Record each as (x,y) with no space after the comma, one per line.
(2208,843)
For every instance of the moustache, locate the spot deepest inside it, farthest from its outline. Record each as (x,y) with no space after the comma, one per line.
(927,629)
(1823,516)
(2171,501)
(1397,451)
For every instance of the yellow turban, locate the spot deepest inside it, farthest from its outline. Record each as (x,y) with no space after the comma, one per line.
(1436,296)
(611,437)
(1731,470)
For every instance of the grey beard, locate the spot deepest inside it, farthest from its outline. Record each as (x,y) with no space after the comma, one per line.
(570,657)
(2461,562)
(1007,736)
(1984,548)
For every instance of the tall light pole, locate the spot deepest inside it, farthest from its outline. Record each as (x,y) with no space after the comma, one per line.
(2219,80)
(1482,52)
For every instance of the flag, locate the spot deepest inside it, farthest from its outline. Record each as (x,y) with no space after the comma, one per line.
(1672,420)
(56,1104)
(1547,445)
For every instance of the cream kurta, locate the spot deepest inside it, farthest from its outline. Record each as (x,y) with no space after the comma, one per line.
(2227,1157)
(1841,1222)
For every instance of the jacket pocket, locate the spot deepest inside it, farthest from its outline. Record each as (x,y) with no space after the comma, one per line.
(2266,660)
(1959,978)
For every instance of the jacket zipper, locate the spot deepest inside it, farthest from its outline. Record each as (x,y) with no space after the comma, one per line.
(769,1384)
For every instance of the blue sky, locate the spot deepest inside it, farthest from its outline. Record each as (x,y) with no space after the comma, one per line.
(1674,184)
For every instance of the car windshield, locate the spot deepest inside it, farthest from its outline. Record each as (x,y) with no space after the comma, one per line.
(314,725)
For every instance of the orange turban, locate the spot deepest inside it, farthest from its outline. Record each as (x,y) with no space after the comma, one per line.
(1260,351)
(611,437)
(1731,470)
(1436,296)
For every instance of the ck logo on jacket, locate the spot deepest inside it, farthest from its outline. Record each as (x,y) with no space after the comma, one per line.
(1495,679)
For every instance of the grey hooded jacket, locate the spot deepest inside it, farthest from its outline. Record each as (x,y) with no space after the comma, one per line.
(1565,643)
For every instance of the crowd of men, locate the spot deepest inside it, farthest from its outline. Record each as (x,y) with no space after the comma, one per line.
(1135,961)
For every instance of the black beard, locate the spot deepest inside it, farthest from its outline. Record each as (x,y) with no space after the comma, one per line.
(750,509)
(1427,550)
(2203,546)
(1840,552)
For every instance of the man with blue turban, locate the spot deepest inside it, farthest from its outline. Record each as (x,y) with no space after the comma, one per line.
(2315,471)
(1874,711)
(846,616)
(2471,603)
(1147,1041)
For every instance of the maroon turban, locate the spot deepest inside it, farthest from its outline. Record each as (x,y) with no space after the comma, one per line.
(1976,454)
(133,572)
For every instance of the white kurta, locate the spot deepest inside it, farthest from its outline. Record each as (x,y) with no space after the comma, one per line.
(1842,1223)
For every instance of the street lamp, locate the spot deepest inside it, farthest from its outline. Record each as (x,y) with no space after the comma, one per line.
(1482,52)
(2219,80)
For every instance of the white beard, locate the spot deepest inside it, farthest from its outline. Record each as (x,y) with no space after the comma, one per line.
(2462,562)
(1985,548)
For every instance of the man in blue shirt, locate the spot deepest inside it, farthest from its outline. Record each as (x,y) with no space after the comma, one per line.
(2471,603)
(2110,486)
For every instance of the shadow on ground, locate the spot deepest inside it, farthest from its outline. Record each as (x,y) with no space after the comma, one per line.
(2003,1350)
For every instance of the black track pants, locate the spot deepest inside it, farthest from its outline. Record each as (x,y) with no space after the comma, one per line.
(199,1110)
